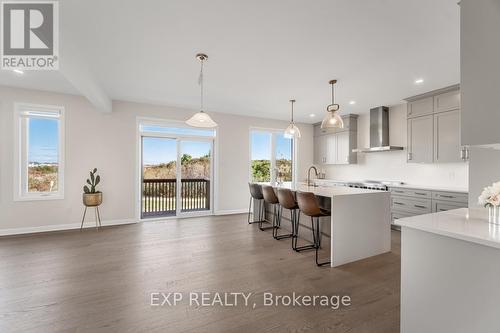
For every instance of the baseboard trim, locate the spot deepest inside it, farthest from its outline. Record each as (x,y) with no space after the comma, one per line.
(61,227)
(231,211)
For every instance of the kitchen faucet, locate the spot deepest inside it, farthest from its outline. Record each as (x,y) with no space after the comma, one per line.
(309,175)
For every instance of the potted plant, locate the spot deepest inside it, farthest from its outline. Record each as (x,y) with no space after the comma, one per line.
(91,197)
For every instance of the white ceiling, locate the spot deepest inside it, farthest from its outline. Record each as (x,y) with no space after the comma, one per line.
(261,52)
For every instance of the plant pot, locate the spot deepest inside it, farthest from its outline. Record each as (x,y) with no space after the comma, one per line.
(92,199)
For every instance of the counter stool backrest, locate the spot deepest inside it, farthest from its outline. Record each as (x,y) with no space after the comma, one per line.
(269,195)
(255,191)
(308,204)
(286,198)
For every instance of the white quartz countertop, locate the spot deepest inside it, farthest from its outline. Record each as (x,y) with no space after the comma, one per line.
(399,185)
(432,188)
(325,191)
(463,224)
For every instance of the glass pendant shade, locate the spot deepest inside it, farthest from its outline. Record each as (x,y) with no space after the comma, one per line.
(201,119)
(292,132)
(332,120)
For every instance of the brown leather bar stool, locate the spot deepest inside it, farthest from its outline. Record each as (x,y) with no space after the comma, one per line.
(271,198)
(287,201)
(256,195)
(309,206)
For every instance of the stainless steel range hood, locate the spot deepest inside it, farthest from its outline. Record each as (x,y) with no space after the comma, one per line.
(379,132)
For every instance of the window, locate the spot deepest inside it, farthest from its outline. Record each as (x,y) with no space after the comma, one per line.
(272,156)
(39,152)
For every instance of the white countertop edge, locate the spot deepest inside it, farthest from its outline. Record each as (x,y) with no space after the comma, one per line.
(486,234)
(405,185)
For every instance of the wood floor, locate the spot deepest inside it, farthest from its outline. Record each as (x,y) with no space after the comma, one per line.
(102,281)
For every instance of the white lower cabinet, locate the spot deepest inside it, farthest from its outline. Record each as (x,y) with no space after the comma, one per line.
(406,202)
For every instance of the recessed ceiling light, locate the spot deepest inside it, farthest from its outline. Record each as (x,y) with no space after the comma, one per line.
(352,102)
(312,115)
(18,71)
(419,81)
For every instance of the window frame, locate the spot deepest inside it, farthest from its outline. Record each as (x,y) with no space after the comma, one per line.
(21,141)
(273,133)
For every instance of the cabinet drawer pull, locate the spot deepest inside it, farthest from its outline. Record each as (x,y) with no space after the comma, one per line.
(420,193)
(419,206)
(399,192)
(399,203)
(446,196)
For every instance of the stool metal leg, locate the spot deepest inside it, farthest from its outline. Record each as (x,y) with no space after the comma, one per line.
(258,213)
(278,237)
(305,247)
(318,244)
(262,220)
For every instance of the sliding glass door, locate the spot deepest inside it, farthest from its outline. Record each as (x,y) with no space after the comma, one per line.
(176,171)
(159,177)
(195,175)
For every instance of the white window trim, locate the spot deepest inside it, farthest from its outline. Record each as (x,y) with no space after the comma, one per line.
(20,154)
(273,131)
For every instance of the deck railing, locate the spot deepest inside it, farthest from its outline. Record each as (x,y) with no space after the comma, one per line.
(159,196)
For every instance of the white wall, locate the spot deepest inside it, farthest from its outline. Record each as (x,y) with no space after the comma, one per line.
(392,165)
(108,142)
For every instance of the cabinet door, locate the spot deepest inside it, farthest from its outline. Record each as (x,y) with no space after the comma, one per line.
(442,206)
(420,139)
(447,137)
(421,107)
(343,151)
(447,101)
(331,148)
(319,149)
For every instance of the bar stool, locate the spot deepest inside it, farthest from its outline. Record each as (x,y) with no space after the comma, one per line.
(256,194)
(271,198)
(309,206)
(287,201)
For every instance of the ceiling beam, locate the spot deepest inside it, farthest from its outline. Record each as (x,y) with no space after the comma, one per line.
(76,71)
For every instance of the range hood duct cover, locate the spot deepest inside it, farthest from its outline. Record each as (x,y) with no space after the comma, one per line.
(379,131)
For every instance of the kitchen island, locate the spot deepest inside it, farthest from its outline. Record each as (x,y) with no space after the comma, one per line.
(450,272)
(359,226)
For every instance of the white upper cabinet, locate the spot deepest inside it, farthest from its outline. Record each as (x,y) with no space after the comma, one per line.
(447,101)
(447,137)
(435,136)
(420,139)
(334,146)
(480,71)
(420,107)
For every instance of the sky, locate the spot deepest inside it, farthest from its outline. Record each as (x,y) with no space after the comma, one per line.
(43,139)
(261,146)
(163,150)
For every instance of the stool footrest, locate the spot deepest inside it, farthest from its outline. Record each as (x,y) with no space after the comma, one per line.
(305,247)
(323,263)
(278,237)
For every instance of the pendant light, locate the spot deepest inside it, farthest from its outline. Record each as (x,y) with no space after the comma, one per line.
(292,131)
(201,119)
(332,118)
